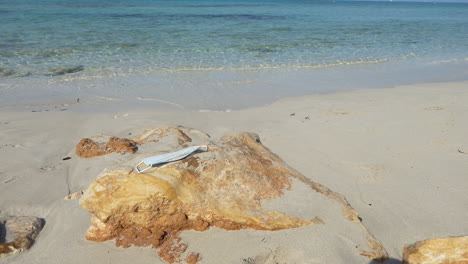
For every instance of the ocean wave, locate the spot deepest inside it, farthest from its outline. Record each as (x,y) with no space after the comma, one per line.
(111,72)
(230,5)
(276,66)
(107,72)
(450,61)
(135,68)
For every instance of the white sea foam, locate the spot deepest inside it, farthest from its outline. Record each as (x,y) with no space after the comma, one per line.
(450,61)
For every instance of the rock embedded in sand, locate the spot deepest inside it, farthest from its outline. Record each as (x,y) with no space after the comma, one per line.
(101,145)
(193,258)
(18,234)
(223,188)
(451,250)
(98,146)
(74,196)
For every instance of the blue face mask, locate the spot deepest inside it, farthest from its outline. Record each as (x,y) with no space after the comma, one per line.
(168,157)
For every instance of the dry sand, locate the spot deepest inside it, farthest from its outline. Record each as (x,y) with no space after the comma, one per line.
(394,153)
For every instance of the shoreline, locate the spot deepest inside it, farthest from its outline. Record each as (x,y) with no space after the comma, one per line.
(393,153)
(223,90)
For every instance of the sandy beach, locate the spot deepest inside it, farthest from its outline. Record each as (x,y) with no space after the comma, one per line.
(399,156)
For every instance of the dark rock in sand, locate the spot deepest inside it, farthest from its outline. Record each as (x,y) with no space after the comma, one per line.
(18,234)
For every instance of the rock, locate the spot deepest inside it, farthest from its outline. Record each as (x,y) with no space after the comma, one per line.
(172,249)
(18,234)
(102,145)
(61,70)
(74,196)
(6,72)
(193,258)
(156,134)
(450,250)
(225,187)
(99,146)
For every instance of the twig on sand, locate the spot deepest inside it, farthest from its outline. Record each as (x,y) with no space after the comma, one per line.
(462,152)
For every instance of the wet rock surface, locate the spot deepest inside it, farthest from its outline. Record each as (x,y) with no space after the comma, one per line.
(6,72)
(450,250)
(18,234)
(224,187)
(61,70)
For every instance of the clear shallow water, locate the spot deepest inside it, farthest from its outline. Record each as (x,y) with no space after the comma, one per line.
(208,49)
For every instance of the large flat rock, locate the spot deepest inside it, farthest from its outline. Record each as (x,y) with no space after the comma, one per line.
(237,184)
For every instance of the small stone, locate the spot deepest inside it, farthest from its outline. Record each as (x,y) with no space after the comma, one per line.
(74,196)
(193,258)
(18,234)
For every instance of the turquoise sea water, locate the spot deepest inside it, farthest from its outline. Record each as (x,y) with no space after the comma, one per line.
(152,47)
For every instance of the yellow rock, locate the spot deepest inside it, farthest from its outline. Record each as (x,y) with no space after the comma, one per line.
(223,187)
(451,250)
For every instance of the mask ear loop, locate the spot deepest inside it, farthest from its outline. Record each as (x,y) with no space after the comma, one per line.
(203,148)
(137,168)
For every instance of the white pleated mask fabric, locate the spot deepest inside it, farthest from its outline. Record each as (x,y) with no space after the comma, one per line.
(169,157)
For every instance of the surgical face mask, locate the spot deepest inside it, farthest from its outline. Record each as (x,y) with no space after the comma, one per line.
(168,157)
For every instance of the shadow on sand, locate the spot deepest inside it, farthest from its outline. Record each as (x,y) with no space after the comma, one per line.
(388,261)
